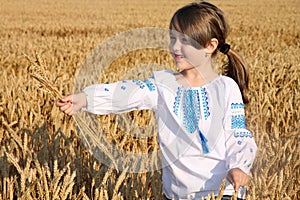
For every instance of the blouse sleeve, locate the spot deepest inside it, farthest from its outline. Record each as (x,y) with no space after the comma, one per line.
(122,96)
(240,144)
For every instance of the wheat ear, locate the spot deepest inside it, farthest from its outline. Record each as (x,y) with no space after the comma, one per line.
(38,72)
(221,190)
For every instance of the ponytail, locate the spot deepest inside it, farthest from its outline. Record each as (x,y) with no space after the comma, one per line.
(236,69)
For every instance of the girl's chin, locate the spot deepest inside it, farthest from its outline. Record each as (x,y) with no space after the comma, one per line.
(179,66)
(183,66)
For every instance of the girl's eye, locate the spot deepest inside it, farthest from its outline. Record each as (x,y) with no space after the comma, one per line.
(185,40)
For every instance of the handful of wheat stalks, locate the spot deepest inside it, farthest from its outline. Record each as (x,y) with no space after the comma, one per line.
(37,71)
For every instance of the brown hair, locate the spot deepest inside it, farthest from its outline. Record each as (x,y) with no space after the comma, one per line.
(203,21)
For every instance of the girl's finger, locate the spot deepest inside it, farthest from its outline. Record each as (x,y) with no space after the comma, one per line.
(68,98)
(65,107)
(236,187)
(245,181)
(230,178)
(69,111)
(60,103)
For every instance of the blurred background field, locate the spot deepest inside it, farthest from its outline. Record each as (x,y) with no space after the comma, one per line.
(41,156)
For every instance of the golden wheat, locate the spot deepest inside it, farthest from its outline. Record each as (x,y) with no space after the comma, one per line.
(38,72)
(119,182)
(41,155)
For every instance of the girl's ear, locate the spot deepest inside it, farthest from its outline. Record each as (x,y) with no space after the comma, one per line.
(212,46)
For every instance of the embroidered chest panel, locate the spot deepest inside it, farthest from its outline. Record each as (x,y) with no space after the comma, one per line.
(191,105)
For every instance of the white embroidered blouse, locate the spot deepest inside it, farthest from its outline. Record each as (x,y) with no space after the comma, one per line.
(202,130)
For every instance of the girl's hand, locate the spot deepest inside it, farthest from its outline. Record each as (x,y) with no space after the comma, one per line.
(237,178)
(71,103)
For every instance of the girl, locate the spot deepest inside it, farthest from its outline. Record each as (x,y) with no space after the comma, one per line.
(200,114)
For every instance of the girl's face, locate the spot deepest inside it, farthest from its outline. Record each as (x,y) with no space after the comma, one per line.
(184,51)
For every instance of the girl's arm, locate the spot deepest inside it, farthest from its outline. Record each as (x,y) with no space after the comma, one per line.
(240,144)
(118,97)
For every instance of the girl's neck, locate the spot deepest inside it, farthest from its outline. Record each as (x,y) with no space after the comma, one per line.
(196,77)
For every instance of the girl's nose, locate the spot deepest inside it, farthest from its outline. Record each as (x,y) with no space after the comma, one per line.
(175,45)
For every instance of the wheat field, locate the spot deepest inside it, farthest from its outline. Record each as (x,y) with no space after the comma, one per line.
(41,153)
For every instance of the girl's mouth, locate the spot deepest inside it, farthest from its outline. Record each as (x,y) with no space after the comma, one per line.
(178,57)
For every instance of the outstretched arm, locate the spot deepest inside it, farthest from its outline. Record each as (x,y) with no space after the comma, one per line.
(118,97)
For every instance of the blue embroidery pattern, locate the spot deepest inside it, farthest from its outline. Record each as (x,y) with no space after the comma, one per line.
(237,106)
(205,103)
(243,134)
(106,89)
(177,101)
(139,83)
(238,121)
(191,115)
(191,110)
(150,85)
(123,87)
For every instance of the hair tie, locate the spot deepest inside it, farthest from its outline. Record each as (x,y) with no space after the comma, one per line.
(224,48)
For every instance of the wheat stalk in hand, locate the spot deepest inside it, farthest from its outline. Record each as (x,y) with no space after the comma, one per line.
(38,72)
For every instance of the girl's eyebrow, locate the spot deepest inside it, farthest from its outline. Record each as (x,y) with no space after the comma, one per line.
(176,33)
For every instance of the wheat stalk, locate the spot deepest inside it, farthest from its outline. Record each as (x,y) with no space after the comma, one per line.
(221,190)
(37,70)
(68,183)
(119,182)
(85,129)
